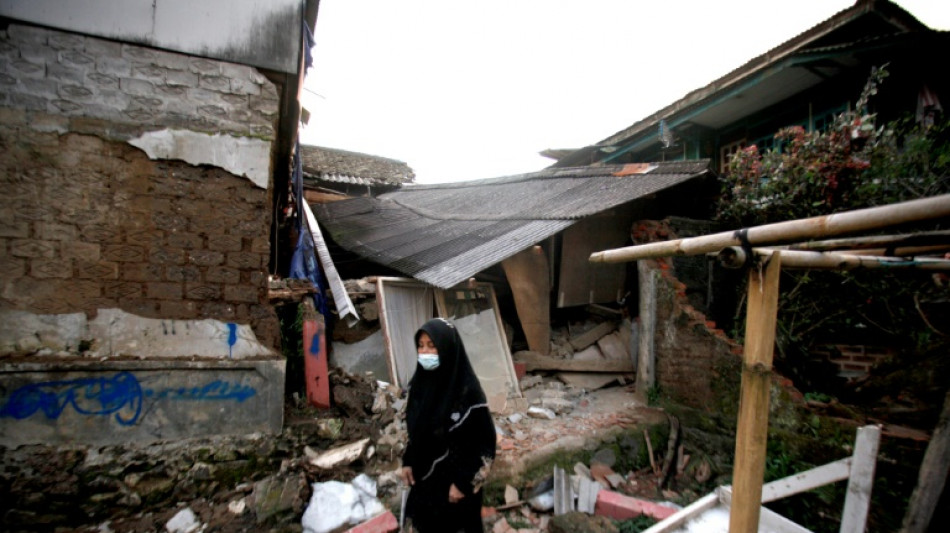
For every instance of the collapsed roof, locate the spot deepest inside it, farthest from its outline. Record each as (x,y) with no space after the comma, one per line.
(444,234)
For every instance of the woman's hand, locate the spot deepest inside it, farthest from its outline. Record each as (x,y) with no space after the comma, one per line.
(455,495)
(406,474)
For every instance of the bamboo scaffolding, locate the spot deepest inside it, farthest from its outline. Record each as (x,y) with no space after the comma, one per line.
(735,257)
(791,230)
(921,239)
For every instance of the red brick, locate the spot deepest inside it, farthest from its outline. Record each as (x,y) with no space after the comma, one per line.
(620,507)
(384,523)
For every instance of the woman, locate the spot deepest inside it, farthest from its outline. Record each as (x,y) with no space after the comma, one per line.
(451,435)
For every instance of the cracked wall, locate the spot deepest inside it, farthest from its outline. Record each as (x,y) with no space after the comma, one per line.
(91,223)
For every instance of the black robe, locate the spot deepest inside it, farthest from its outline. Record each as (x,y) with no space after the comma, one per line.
(451,437)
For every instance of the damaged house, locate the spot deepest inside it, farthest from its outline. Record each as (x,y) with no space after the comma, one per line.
(529,236)
(142,144)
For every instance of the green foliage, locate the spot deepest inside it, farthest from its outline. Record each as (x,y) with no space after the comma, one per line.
(653,395)
(634,525)
(852,165)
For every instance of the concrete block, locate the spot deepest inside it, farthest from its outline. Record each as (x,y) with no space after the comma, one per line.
(115,402)
(620,507)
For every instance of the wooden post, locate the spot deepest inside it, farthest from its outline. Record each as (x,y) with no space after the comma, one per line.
(753,425)
(528,275)
(854,516)
(646,377)
(932,479)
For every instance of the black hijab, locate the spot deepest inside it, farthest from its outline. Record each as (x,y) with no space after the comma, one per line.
(435,395)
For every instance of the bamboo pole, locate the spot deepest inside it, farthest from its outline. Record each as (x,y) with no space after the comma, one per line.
(789,230)
(734,257)
(923,238)
(753,424)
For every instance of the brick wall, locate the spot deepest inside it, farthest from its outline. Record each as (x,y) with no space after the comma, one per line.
(89,222)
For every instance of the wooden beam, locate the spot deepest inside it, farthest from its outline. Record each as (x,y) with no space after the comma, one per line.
(753,424)
(787,231)
(932,479)
(854,516)
(528,275)
(646,362)
(534,361)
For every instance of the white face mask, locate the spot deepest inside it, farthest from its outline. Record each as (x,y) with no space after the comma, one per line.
(429,361)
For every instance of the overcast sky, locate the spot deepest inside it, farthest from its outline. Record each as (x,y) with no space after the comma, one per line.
(470,90)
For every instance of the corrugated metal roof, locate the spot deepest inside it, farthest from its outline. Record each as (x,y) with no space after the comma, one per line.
(444,234)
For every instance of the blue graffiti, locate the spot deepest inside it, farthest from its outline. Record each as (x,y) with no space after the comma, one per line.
(121,395)
(88,396)
(315,345)
(232,338)
(216,390)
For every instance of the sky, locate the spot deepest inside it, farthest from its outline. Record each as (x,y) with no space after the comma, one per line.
(471,90)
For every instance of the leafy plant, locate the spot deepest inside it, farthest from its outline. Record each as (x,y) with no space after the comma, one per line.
(854,164)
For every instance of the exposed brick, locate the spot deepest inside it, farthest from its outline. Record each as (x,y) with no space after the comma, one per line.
(245,260)
(122,289)
(101,47)
(219,310)
(202,291)
(99,233)
(259,245)
(33,248)
(223,275)
(41,88)
(141,272)
(178,309)
(77,59)
(185,240)
(97,270)
(66,41)
(166,256)
(205,257)
(64,74)
(51,268)
(204,67)
(123,253)
(242,293)
(621,507)
(244,87)
(20,33)
(225,243)
(11,266)
(181,78)
(115,67)
(184,273)
(14,229)
(163,291)
(140,307)
(135,87)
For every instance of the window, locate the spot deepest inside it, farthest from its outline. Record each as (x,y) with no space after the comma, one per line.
(727,151)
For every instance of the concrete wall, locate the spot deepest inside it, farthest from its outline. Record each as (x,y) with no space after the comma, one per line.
(116,402)
(134,220)
(263,34)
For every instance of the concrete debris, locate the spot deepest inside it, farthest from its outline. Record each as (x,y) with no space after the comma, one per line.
(184,521)
(541,412)
(237,506)
(511,494)
(330,428)
(277,495)
(335,504)
(514,418)
(342,455)
(530,381)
